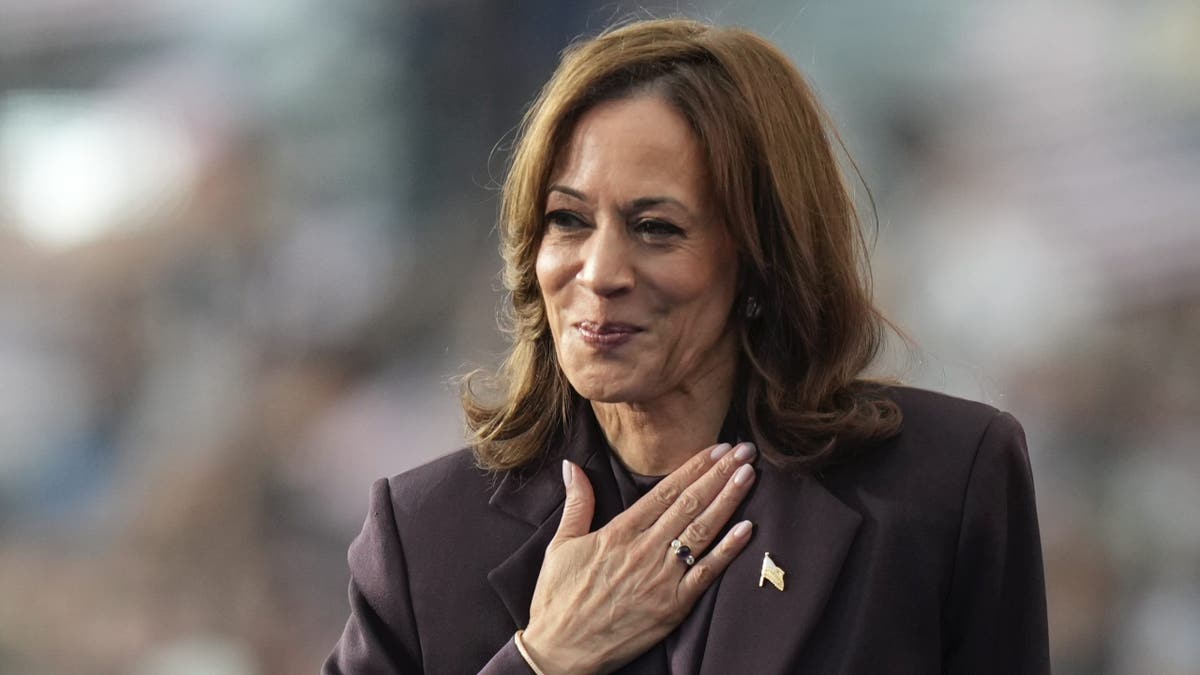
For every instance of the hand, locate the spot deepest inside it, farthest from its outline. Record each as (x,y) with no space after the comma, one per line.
(604,597)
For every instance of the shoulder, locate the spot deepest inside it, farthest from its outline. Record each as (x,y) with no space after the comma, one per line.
(926,410)
(948,426)
(940,442)
(419,570)
(446,485)
(443,510)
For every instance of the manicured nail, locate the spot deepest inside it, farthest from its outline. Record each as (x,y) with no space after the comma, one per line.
(719,451)
(742,529)
(743,475)
(568,475)
(744,452)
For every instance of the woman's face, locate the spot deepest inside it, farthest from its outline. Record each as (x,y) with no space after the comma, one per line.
(637,270)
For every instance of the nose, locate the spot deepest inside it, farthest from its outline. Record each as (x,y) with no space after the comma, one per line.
(607,268)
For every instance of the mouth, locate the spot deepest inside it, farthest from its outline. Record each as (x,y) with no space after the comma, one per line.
(606,334)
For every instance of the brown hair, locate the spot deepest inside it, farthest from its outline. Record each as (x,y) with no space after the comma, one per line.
(802,255)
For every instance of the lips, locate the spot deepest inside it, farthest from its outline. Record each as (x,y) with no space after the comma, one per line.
(606,334)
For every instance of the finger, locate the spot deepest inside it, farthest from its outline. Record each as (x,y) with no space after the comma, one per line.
(704,528)
(700,494)
(650,507)
(581,502)
(708,568)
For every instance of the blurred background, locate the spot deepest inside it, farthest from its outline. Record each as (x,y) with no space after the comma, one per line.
(244,246)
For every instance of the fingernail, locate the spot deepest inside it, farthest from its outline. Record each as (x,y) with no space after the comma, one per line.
(743,475)
(742,529)
(719,451)
(568,475)
(744,452)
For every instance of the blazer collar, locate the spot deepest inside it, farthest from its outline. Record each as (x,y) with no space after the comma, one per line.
(532,496)
(807,530)
(536,498)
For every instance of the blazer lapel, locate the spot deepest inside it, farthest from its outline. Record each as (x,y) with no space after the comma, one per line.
(808,532)
(537,500)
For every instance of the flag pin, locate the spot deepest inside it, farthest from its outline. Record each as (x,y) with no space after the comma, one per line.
(771,572)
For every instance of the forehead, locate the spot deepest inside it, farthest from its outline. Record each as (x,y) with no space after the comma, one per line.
(637,143)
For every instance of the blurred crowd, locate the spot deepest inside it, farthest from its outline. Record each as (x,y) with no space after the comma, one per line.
(245,248)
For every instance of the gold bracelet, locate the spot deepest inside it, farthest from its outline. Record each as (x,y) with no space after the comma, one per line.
(524,653)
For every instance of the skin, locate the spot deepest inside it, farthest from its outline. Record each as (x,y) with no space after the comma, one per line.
(633,236)
(633,240)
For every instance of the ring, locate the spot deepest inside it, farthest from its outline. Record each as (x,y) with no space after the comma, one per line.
(683,552)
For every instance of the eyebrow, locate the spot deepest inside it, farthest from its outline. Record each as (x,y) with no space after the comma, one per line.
(639,204)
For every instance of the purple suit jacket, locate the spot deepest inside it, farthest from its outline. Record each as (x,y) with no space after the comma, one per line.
(921,555)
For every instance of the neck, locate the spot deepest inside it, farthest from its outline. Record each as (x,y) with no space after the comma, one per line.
(655,438)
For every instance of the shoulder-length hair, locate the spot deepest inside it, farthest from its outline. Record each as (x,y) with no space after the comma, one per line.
(802,254)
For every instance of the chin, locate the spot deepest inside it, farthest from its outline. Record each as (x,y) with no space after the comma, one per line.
(599,388)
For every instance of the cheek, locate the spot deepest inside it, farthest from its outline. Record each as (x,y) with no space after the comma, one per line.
(706,297)
(553,267)
(543,269)
(541,266)
(704,287)
(548,269)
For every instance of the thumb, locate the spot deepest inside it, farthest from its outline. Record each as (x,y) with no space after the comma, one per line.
(581,502)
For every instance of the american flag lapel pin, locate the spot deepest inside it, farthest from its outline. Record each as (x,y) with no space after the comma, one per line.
(771,572)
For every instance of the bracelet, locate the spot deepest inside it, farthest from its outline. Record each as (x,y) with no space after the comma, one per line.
(525,654)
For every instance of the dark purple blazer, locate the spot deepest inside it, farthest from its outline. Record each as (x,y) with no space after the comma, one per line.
(921,555)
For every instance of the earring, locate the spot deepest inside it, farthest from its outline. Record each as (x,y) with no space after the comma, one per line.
(753,309)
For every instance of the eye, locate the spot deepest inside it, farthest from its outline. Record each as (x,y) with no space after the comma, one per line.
(564,220)
(653,228)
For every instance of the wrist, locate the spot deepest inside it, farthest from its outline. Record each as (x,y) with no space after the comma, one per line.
(519,641)
(546,660)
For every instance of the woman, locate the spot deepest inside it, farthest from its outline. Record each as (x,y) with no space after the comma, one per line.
(690,300)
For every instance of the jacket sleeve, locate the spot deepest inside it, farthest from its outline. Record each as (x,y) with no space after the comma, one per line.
(995,619)
(381,635)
